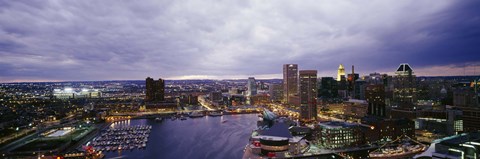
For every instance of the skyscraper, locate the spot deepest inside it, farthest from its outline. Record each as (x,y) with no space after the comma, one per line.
(375,95)
(405,92)
(276,92)
(351,82)
(155,90)
(328,88)
(308,95)
(290,81)
(251,86)
(341,72)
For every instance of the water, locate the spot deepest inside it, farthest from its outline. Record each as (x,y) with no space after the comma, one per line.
(196,138)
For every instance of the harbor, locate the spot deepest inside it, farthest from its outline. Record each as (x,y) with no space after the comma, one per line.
(207,135)
(123,138)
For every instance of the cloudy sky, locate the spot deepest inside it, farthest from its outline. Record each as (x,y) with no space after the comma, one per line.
(59,40)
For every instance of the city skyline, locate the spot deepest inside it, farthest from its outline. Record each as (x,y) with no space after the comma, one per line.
(239,79)
(75,41)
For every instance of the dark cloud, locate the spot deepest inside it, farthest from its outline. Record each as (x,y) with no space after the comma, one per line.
(96,40)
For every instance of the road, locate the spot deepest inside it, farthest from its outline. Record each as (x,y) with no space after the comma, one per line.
(15,135)
(205,103)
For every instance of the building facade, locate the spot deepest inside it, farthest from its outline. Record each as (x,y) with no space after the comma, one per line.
(387,129)
(471,119)
(405,86)
(251,86)
(341,72)
(276,92)
(155,90)
(290,81)
(375,96)
(308,94)
(328,88)
(334,134)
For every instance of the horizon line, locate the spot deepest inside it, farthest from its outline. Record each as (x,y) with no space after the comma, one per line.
(170,79)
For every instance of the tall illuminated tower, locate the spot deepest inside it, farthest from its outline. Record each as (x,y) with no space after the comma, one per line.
(341,72)
(405,92)
(308,95)
(290,81)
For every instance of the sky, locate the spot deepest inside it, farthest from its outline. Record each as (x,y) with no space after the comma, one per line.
(65,40)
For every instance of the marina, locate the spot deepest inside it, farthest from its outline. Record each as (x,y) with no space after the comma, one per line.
(122,138)
(207,136)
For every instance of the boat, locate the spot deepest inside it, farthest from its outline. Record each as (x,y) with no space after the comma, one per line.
(215,114)
(402,147)
(158,119)
(183,118)
(223,121)
(196,114)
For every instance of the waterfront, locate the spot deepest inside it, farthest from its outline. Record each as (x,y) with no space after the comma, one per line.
(206,137)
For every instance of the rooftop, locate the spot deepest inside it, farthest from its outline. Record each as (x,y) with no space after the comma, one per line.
(336,124)
(404,69)
(278,130)
(460,139)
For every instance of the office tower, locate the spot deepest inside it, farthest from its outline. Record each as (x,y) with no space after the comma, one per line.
(375,95)
(276,92)
(342,87)
(359,89)
(405,86)
(374,78)
(328,88)
(251,86)
(308,95)
(290,81)
(341,72)
(470,119)
(155,90)
(351,82)
(464,97)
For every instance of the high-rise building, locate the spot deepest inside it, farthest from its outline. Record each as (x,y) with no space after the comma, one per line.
(375,95)
(374,78)
(342,87)
(308,95)
(290,81)
(328,88)
(360,89)
(155,90)
(341,72)
(470,118)
(464,97)
(405,91)
(251,86)
(276,92)
(351,82)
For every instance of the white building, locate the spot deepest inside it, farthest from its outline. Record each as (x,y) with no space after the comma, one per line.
(71,93)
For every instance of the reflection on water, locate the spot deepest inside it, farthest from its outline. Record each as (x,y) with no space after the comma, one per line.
(206,137)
